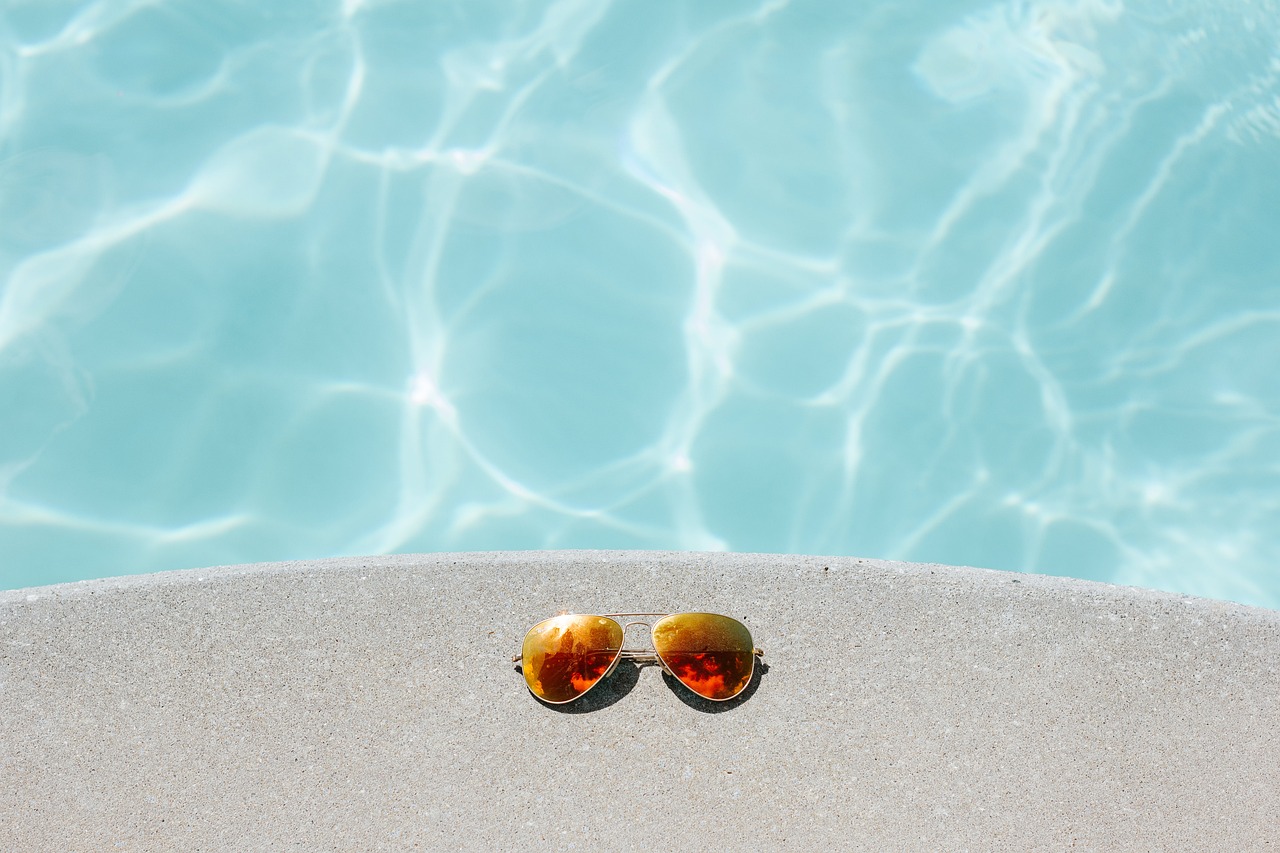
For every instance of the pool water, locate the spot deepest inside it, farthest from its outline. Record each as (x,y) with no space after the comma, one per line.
(991,283)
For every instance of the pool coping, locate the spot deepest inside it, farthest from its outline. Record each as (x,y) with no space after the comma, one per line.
(905,705)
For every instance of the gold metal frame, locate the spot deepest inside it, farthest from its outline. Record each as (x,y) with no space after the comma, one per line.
(641,656)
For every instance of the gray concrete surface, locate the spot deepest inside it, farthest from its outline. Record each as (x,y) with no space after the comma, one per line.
(369,703)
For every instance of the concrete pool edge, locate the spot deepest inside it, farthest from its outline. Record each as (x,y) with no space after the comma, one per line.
(1176,688)
(973,574)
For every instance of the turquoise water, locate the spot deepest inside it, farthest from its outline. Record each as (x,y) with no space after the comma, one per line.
(986,283)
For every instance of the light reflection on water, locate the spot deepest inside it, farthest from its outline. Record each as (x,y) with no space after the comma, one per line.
(982,283)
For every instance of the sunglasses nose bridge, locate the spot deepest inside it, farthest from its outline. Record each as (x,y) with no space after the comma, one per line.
(644,647)
(643,652)
(647,654)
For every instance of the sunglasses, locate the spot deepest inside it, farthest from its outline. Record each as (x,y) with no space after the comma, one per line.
(565,656)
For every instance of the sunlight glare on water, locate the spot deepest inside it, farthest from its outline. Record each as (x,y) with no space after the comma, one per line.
(988,283)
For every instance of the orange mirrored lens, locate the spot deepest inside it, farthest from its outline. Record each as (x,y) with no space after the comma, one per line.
(712,655)
(565,656)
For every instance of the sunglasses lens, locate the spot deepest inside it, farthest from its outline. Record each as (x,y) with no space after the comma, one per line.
(712,655)
(564,657)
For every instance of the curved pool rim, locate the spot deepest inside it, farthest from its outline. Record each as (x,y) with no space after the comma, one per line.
(371,702)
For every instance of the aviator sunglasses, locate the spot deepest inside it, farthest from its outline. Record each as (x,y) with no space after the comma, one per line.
(565,656)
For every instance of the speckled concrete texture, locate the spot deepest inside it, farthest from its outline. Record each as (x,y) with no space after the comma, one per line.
(370,704)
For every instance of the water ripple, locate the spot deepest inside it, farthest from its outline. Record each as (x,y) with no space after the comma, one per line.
(987,283)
